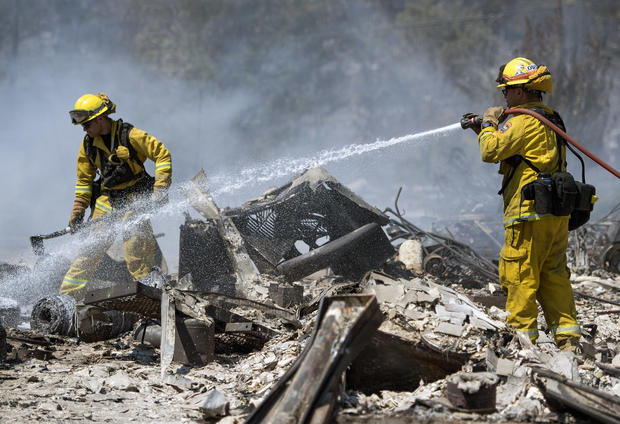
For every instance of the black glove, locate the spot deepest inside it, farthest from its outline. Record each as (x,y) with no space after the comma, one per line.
(473,121)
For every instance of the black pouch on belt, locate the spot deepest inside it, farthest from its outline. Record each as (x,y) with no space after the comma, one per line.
(566,193)
(541,191)
(583,206)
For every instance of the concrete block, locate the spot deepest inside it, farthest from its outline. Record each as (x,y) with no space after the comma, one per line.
(215,404)
(504,367)
(450,329)
(390,294)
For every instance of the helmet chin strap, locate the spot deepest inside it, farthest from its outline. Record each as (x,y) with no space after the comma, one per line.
(535,92)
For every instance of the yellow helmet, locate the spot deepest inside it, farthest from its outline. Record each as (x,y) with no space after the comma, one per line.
(89,106)
(522,71)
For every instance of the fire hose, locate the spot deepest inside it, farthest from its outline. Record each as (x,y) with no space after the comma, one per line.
(469,121)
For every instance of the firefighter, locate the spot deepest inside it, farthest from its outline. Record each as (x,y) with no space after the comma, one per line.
(532,264)
(114,151)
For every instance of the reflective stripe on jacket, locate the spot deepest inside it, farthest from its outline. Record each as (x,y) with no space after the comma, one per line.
(520,135)
(144,145)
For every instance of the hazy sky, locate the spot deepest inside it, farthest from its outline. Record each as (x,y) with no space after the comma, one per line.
(201,127)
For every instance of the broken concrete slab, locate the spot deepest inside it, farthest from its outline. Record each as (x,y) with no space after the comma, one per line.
(511,390)
(215,404)
(449,329)
(120,380)
(445,314)
(505,367)
(414,314)
(565,364)
(391,294)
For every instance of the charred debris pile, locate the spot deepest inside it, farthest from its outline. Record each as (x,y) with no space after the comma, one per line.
(309,305)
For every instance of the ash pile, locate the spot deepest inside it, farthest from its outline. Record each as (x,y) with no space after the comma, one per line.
(309,305)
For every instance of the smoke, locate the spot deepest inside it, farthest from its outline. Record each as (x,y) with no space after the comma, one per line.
(307,92)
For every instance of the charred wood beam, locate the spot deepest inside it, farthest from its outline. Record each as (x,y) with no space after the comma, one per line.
(609,369)
(307,391)
(598,405)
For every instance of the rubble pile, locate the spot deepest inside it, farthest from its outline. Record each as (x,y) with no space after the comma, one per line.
(595,247)
(275,332)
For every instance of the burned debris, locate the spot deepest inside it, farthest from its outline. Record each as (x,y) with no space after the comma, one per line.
(309,389)
(595,247)
(442,256)
(307,305)
(473,390)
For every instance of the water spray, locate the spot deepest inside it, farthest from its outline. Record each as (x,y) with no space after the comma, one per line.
(289,166)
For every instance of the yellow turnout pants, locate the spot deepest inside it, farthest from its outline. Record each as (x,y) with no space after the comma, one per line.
(533,267)
(138,244)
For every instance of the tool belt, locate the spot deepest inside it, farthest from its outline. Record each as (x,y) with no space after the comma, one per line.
(121,198)
(559,194)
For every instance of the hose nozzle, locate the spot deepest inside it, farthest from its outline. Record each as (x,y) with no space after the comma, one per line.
(470,120)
